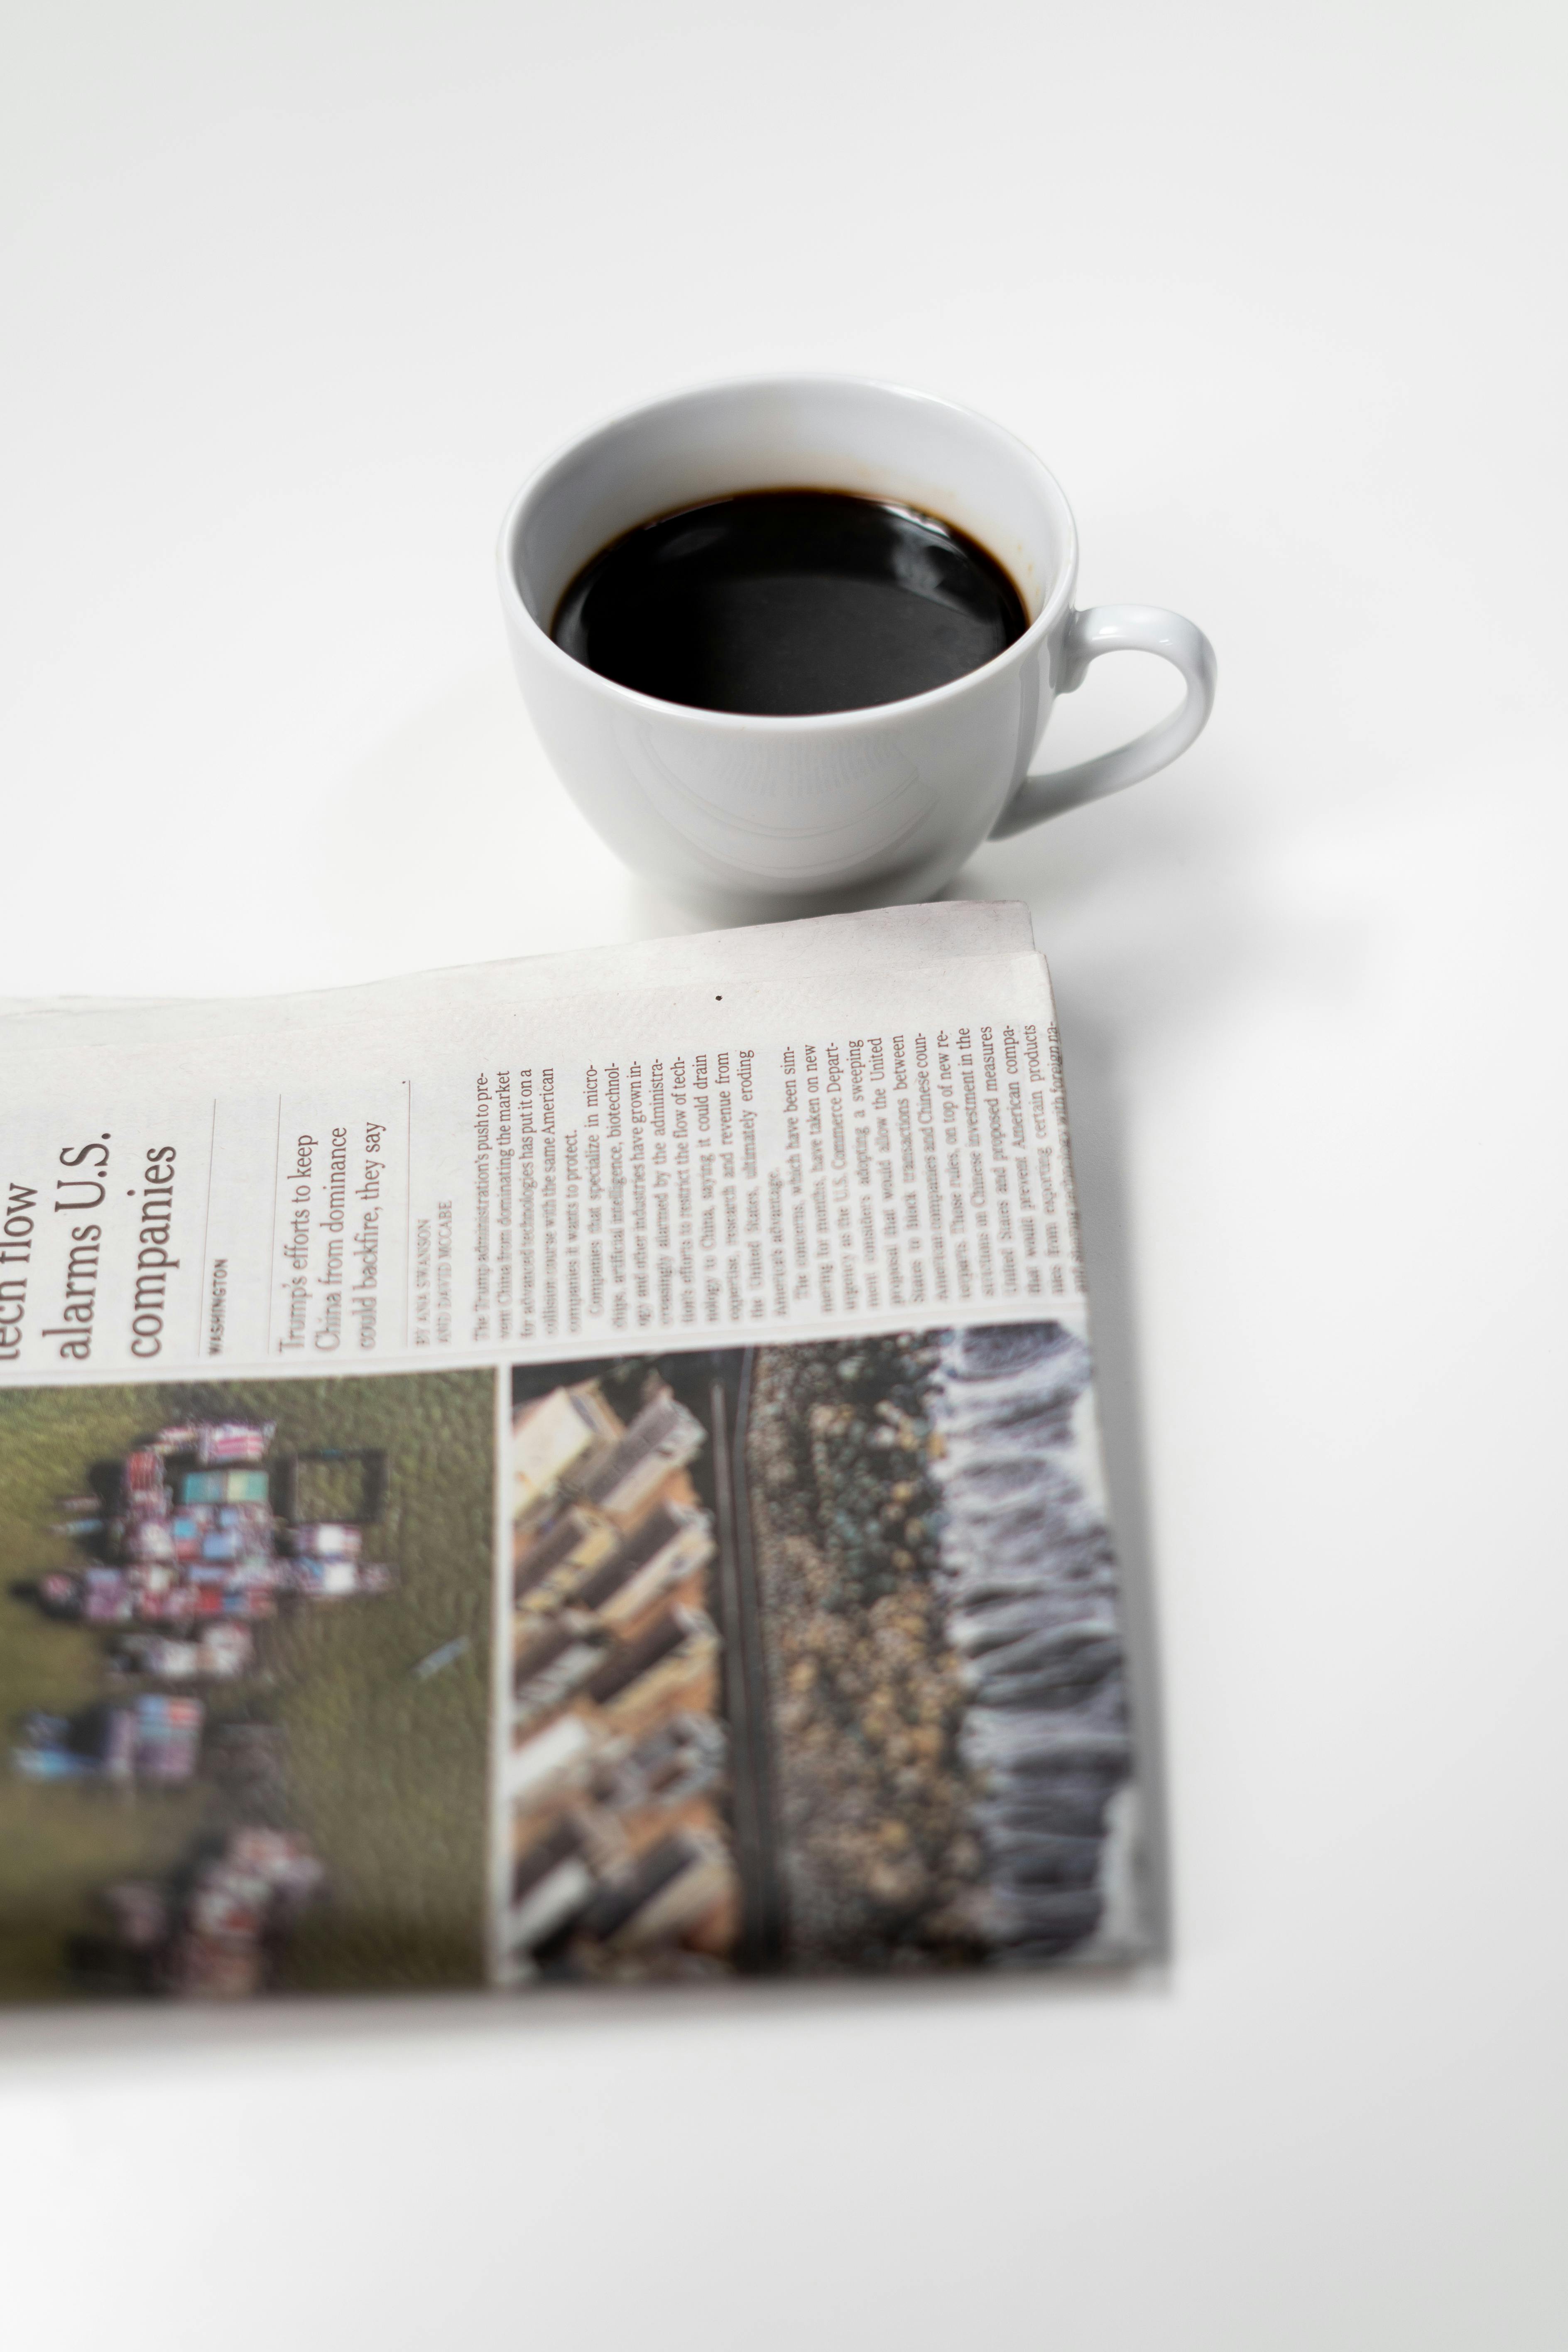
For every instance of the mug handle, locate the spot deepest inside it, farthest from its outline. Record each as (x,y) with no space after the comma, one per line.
(1110,629)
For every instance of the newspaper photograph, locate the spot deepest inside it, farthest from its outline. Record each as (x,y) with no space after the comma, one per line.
(244,1659)
(816,1661)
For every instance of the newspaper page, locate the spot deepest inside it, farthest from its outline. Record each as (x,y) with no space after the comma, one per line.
(583,1471)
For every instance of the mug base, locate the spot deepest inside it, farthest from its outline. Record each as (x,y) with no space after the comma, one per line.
(722,907)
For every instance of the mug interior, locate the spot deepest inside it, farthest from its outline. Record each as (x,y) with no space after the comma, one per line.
(793,434)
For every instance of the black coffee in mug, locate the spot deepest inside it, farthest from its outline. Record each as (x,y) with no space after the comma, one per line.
(780,603)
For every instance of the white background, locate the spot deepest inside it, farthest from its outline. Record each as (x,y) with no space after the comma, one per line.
(291,298)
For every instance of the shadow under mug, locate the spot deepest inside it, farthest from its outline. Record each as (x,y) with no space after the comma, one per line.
(749,818)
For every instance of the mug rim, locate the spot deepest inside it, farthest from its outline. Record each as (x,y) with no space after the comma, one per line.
(800,722)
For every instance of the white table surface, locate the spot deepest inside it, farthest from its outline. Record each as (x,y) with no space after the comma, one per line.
(291,298)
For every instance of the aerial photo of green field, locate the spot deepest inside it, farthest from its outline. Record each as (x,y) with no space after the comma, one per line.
(244,1634)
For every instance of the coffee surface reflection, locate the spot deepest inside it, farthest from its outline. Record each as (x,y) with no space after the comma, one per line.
(783,603)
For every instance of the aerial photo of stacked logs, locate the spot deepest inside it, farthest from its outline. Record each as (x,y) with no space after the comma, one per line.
(818,1663)
(617,1761)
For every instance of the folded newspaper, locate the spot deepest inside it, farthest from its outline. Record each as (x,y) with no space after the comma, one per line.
(580,1470)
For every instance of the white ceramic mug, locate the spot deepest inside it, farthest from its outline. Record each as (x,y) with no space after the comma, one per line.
(756,817)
